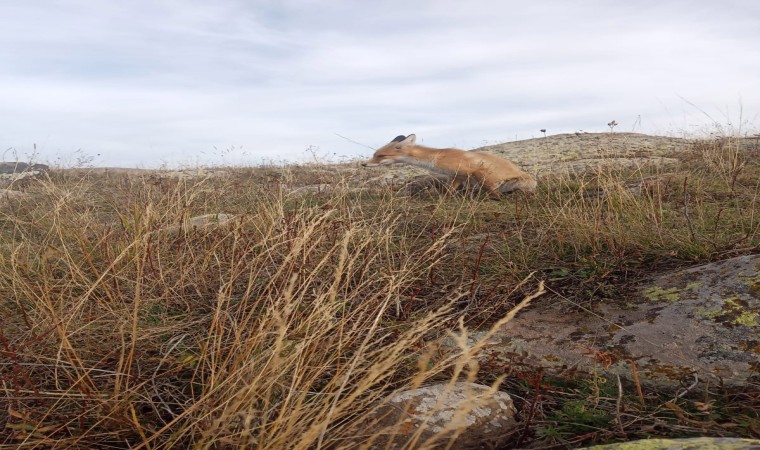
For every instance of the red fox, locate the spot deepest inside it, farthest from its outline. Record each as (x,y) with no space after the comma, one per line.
(495,175)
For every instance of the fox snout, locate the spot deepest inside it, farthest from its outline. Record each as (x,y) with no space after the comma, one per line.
(370,163)
(392,152)
(374,162)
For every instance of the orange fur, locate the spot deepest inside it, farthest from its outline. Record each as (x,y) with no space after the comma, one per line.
(494,174)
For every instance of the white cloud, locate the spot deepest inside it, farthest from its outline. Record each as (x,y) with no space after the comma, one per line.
(147,82)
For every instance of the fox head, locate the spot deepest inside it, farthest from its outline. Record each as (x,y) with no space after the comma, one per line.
(392,152)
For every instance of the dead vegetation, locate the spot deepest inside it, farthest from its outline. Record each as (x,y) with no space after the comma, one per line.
(282,328)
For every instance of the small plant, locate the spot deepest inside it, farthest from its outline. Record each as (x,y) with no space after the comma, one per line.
(612,125)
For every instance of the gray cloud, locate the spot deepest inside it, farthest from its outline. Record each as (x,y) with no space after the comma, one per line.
(168,81)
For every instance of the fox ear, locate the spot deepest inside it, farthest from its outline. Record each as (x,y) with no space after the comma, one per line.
(409,140)
(399,138)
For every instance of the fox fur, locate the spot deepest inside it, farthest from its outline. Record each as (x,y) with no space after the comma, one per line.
(494,174)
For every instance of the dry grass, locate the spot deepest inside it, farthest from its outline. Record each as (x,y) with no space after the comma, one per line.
(121,326)
(276,330)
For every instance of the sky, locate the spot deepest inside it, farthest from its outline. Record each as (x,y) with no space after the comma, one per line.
(177,83)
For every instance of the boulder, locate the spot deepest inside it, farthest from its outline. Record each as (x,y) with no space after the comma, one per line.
(579,152)
(11,171)
(580,166)
(472,415)
(10,167)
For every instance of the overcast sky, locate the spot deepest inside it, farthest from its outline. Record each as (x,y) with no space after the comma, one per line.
(145,83)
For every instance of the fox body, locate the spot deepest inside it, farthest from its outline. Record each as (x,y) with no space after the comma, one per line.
(494,174)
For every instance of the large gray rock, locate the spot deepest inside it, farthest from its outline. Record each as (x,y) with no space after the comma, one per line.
(579,166)
(8,167)
(12,171)
(700,443)
(432,415)
(578,152)
(700,324)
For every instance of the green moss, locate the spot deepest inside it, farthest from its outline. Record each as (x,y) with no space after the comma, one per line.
(748,319)
(656,294)
(709,313)
(750,281)
(694,285)
(732,302)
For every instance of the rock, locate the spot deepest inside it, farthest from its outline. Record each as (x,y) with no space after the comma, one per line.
(548,154)
(193,174)
(208,219)
(410,418)
(9,178)
(699,324)
(313,188)
(6,194)
(10,167)
(325,188)
(580,166)
(203,221)
(11,171)
(705,443)
(662,187)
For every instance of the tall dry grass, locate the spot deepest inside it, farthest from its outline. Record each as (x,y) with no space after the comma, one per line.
(123,325)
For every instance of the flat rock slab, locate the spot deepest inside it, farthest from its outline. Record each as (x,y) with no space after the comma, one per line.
(700,443)
(703,322)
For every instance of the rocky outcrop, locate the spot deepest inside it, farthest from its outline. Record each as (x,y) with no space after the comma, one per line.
(695,325)
(575,152)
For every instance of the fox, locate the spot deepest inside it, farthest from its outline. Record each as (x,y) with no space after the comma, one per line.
(496,175)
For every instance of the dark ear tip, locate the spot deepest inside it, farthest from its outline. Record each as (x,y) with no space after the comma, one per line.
(399,138)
